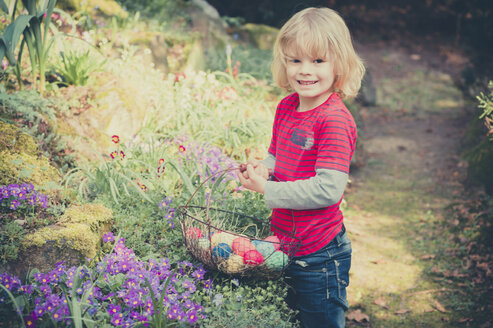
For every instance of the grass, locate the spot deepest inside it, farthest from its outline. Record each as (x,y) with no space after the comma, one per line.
(419,91)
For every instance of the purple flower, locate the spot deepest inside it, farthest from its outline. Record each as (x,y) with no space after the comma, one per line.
(117,319)
(4,192)
(32,199)
(114,309)
(14,189)
(173,311)
(199,274)
(108,237)
(208,283)
(188,304)
(192,316)
(43,199)
(14,204)
(187,284)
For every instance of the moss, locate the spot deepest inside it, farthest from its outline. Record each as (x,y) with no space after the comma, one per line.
(14,140)
(80,228)
(26,168)
(76,236)
(95,215)
(19,160)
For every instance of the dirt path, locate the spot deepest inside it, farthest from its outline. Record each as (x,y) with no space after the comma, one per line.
(412,173)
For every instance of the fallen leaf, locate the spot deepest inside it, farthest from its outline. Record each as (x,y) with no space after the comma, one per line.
(462,320)
(358,316)
(379,261)
(428,257)
(381,301)
(439,307)
(402,311)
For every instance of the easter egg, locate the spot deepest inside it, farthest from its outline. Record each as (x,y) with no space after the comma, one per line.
(277,261)
(235,264)
(252,257)
(275,241)
(265,248)
(222,250)
(194,233)
(204,243)
(242,245)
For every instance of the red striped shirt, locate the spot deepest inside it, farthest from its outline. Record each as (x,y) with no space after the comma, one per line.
(321,138)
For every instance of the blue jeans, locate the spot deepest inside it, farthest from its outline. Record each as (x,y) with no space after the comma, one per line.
(319,282)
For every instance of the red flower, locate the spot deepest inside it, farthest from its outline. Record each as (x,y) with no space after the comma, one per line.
(115,139)
(161,161)
(113,154)
(179,77)
(182,149)
(142,186)
(122,154)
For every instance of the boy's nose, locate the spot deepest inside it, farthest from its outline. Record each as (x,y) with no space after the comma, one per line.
(305,68)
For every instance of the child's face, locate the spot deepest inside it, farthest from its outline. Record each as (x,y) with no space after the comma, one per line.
(312,78)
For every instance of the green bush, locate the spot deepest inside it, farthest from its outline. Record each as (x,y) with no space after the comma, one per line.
(247,304)
(480,156)
(76,67)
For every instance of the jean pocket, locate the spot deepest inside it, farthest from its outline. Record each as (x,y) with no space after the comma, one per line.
(339,280)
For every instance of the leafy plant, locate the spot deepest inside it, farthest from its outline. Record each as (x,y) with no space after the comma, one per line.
(37,39)
(232,303)
(76,67)
(480,153)
(36,116)
(486,104)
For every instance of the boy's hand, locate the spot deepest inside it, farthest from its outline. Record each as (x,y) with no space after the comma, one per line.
(253,181)
(260,169)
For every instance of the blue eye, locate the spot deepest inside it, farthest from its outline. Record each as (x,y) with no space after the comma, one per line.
(318,61)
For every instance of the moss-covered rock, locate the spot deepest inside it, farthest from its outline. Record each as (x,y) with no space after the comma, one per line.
(106,7)
(80,228)
(20,160)
(76,236)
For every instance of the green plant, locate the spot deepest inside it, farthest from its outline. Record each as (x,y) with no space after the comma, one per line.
(480,153)
(38,40)
(486,104)
(37,116)
(10,237)
(76,67)
(247,304)
(249,60)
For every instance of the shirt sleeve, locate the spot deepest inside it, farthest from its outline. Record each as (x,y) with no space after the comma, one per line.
(324,189)
(336,143)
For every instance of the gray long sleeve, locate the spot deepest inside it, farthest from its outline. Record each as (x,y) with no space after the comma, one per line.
(324,189)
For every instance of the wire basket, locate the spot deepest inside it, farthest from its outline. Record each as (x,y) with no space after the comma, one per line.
(250,252)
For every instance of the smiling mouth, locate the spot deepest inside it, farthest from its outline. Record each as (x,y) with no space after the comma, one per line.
(307,82)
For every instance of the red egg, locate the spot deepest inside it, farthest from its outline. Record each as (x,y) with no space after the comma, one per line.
(194,233)
(252,257)
(275,241)
(241,245)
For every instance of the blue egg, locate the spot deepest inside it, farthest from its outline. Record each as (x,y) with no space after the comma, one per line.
(222,250)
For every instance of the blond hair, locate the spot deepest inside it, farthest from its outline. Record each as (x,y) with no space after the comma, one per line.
(320,33)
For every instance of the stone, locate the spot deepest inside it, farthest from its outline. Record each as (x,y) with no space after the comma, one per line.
(75,237)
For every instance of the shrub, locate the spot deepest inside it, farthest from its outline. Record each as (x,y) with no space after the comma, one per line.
(76,66)
(480,155)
